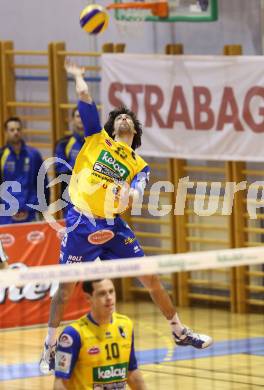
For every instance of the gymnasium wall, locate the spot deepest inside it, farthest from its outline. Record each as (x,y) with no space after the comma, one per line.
(31,24)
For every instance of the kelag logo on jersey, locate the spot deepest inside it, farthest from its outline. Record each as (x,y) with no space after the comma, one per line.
(109,166)
(115,372)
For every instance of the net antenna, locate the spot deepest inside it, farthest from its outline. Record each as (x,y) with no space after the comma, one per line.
(137,12)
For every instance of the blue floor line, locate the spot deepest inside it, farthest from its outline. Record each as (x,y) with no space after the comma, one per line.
(253,346)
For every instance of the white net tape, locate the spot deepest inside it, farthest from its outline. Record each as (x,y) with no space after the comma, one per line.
(162,264)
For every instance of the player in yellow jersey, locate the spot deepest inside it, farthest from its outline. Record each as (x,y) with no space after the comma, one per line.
(108,176)
(97,351)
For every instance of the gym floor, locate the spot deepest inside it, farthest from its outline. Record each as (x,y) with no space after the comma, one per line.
(235,361)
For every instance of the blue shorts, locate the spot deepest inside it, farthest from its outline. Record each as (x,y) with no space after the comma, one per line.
(98,238)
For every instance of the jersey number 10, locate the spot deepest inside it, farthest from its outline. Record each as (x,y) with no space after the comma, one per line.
(112,351)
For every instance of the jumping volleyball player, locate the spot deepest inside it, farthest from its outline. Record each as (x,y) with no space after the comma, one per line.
(107,174)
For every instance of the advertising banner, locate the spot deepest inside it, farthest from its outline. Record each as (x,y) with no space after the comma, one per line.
(29,245)
(191,107)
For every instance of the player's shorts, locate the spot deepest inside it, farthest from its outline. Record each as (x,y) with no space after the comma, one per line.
(97,238)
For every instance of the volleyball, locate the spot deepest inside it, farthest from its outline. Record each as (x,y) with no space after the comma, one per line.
(94,19)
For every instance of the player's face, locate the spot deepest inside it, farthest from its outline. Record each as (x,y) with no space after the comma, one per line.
(77,122)
(103,298)
(13,132)
(123,124)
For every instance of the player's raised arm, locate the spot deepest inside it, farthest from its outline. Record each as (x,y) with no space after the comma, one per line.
(77,72)
(86,106)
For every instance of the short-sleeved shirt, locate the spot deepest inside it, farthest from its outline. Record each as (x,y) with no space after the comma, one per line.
(90,356)
(102,167)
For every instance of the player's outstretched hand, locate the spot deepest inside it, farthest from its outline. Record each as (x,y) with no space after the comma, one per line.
(78,72)
(73,69)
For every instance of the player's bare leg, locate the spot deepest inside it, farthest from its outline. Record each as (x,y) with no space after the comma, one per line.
(159,295)
(182,335)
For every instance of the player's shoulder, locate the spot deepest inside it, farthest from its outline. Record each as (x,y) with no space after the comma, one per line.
(34,152)
(3,149)
(95,137)
(4,155)
(140,161)
(68,336)
(122,318)
(103,133)
(82,324)
(76,326)
(63,141)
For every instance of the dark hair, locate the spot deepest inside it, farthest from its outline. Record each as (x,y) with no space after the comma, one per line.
(74,111)
(109,125)
(13,119)
(88,285)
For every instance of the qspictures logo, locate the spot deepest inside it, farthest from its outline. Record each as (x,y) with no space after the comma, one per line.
(106,160)
(115,372)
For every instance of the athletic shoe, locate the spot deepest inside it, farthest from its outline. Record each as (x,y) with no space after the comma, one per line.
(47,360)
(188,337)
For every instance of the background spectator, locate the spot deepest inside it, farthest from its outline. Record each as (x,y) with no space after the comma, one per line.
(20,163)
(67,149)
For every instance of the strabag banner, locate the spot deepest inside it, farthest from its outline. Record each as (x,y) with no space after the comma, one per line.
(29,245)
(191,107)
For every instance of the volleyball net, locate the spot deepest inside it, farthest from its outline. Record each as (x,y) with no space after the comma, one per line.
(219,292)
(113,269)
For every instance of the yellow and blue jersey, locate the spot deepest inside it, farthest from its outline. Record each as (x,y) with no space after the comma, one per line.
(90,356)
(67,149)
(22,168)
(66,152)
(102,167)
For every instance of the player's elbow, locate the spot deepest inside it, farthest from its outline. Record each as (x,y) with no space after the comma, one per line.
(135,380)
(84,96)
